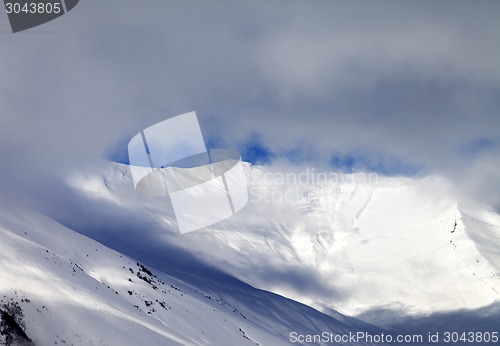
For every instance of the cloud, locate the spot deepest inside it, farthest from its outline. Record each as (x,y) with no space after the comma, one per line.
(413,82)
(465,320)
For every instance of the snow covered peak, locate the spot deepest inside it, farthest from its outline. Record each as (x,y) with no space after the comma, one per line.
(352,242)
(381,248)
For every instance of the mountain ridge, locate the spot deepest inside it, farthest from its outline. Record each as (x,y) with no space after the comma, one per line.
(74,290)
(405,231)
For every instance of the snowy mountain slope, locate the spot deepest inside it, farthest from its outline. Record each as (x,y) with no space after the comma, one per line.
(351,244)
(75,291)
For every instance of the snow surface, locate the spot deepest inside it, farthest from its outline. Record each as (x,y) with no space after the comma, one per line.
(396,252)
(75,291)
(352,245)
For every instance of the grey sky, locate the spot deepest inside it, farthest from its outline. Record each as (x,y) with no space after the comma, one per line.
(418,81)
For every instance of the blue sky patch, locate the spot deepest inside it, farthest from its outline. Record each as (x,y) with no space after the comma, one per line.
(255,152)
(389,166)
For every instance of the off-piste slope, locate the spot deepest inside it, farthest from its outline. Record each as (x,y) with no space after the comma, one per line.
(72,290)
(350,242)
